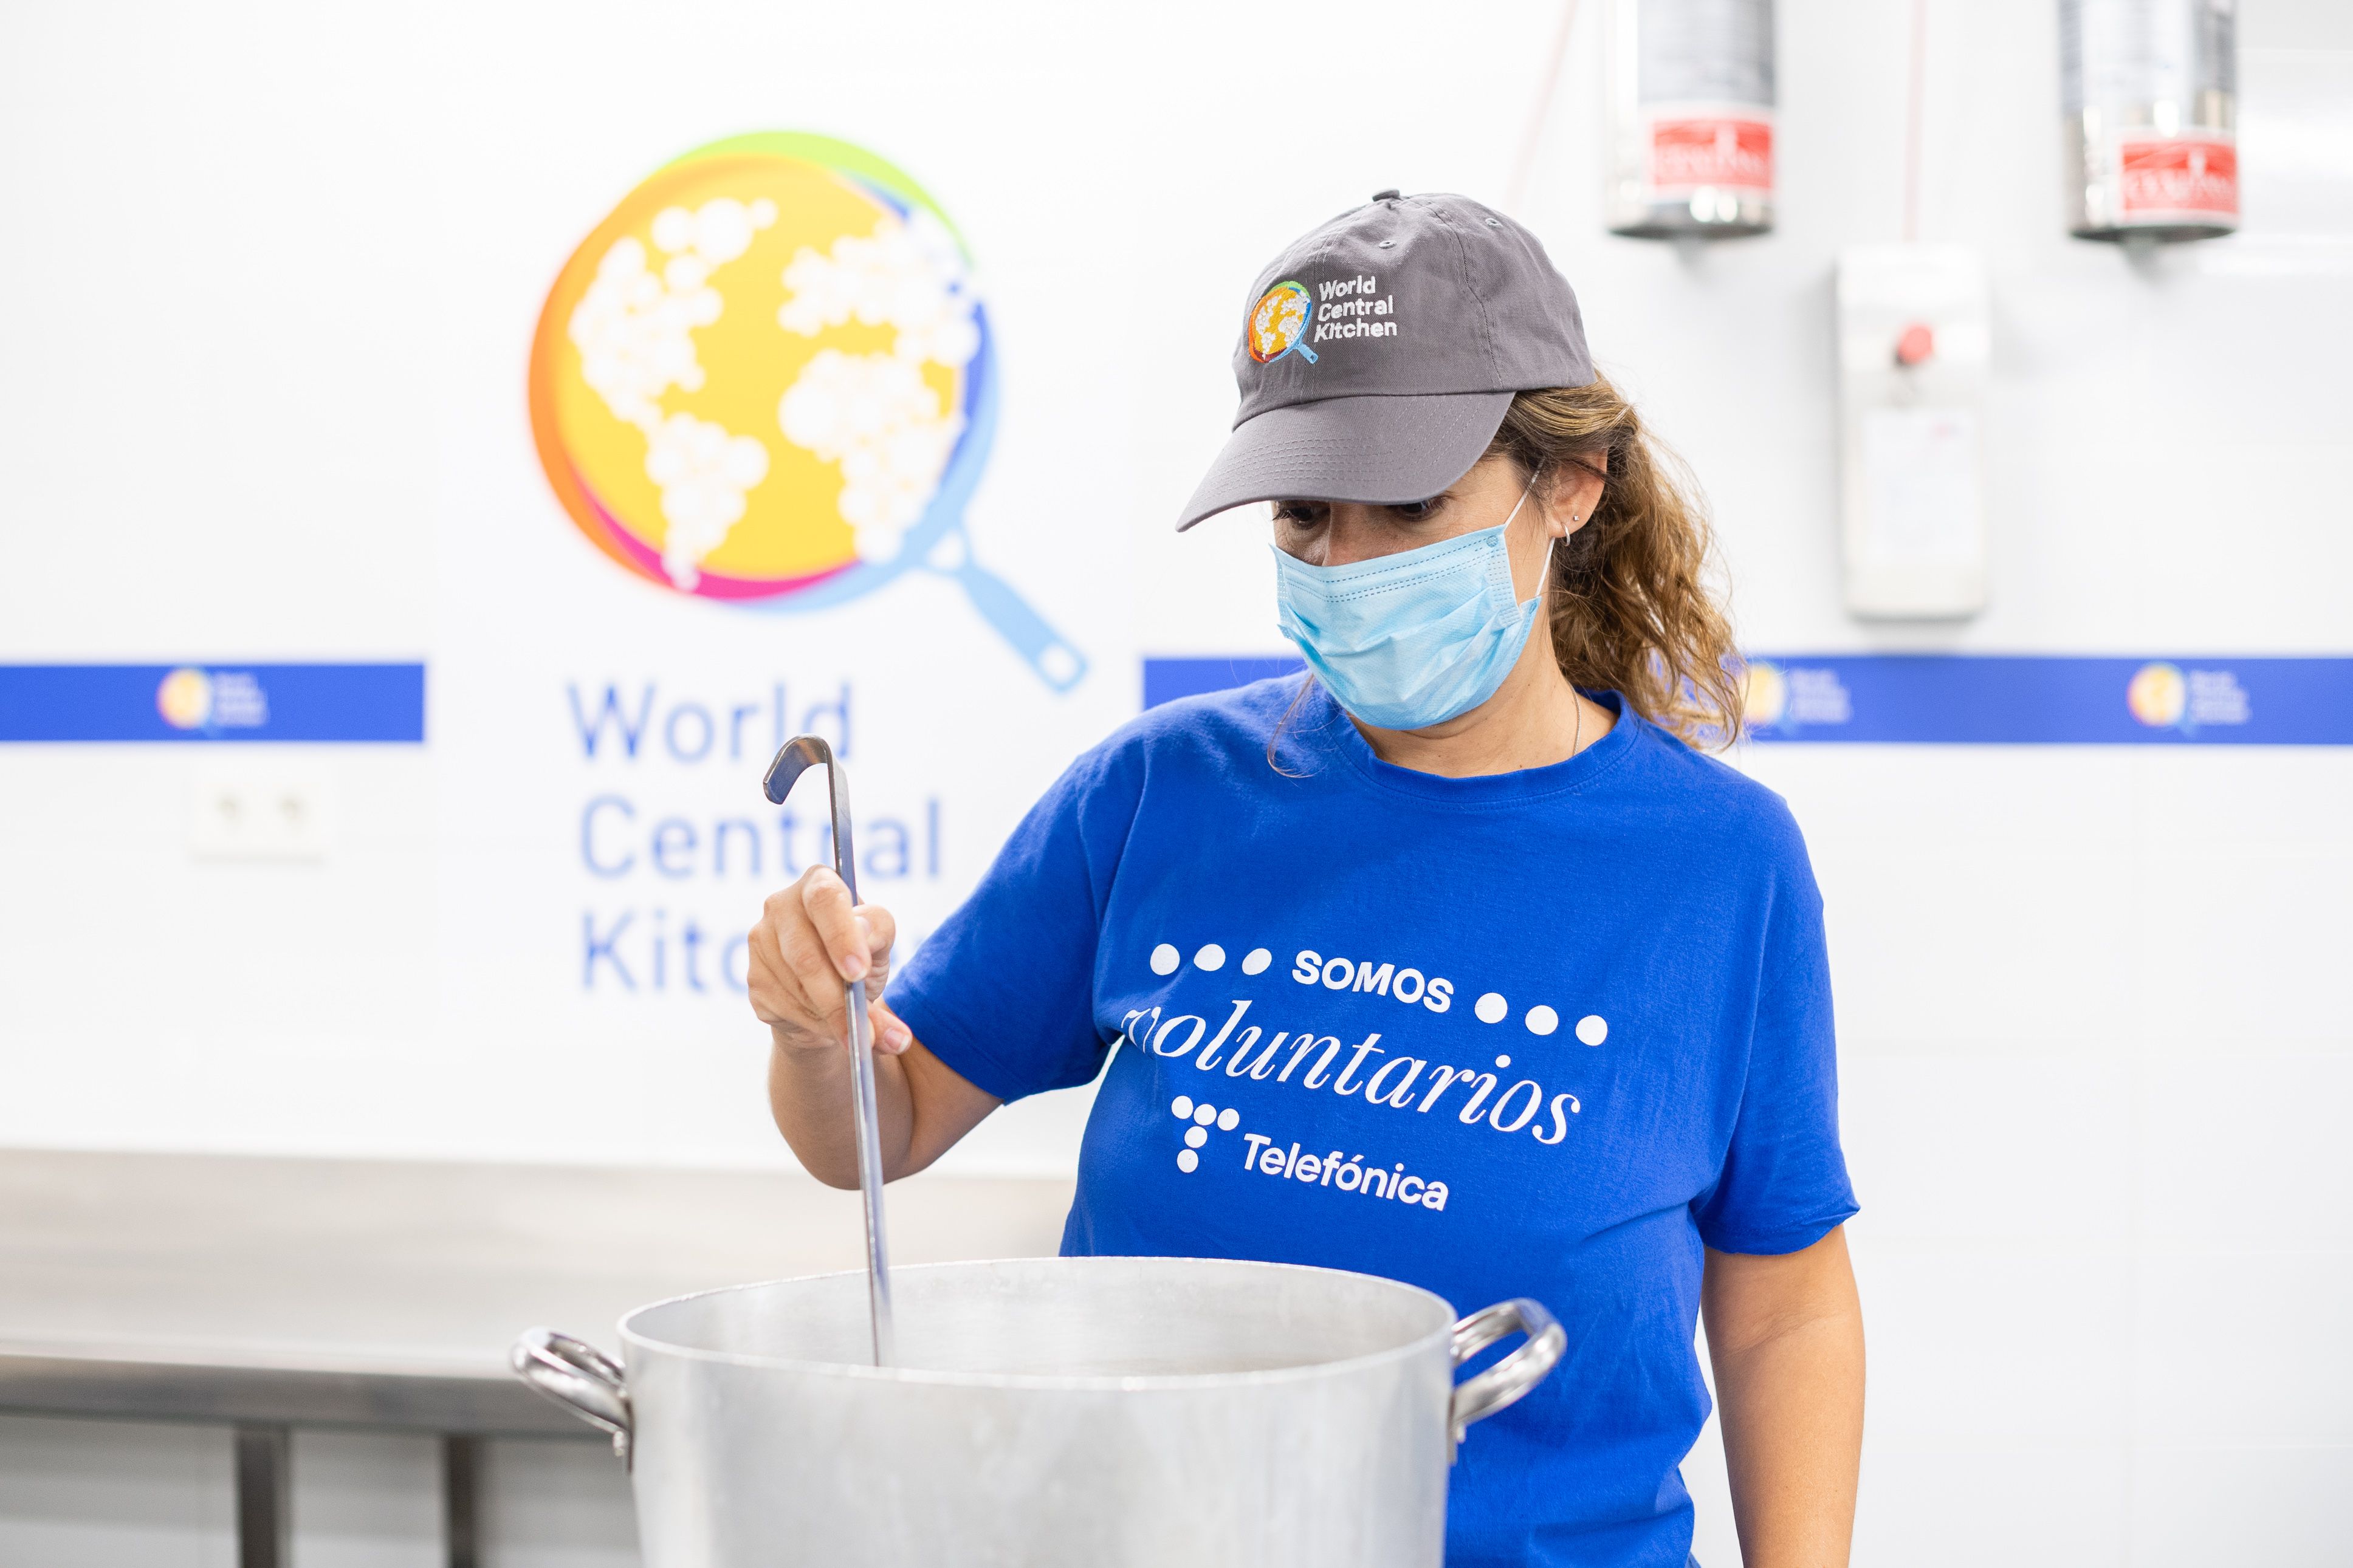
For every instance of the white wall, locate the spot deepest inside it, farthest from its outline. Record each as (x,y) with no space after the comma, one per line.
(261,397)
(2091,1039)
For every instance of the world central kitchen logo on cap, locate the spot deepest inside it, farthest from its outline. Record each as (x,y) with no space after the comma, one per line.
(1278,322)
(768,378)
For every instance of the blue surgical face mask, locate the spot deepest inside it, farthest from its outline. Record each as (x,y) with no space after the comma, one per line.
(1413,640)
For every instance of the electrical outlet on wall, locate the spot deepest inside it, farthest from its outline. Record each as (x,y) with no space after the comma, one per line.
(259,809)
(1914,342)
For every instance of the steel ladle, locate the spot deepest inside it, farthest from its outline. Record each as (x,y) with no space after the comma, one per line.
(796,757)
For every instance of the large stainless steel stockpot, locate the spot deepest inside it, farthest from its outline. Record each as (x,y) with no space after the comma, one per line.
(1048,1412)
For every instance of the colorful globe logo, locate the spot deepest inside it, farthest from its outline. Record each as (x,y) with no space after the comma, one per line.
(2157,695)
(768,378)
(1766,697)
(184,699)
(1279,321)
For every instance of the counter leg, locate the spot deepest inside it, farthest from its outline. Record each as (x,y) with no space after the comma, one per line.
(264,1495)
(461,1472)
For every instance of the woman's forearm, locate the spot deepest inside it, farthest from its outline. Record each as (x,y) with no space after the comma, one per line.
(1785,1335)
(808,1094)
(922,1105)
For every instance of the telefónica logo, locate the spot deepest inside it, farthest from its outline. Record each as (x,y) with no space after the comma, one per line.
(1203,1117)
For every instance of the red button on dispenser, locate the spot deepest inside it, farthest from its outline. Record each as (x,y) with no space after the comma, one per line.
(1915,345)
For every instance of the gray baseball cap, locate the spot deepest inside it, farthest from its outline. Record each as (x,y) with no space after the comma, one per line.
(1381,352)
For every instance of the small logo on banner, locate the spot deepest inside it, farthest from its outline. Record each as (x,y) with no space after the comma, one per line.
(2157,695)
(2188,175)
(1781,700)
(2164,696)
(1767,696)
(184,699)
(191,698)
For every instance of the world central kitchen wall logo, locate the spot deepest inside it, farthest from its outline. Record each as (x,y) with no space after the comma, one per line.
(768,378)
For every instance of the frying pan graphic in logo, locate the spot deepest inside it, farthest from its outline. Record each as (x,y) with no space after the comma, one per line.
(768,378)
(2157,695)
(184,699)
(1766,697)
(1278,322)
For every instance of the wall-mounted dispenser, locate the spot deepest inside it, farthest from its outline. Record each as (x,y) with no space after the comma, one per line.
(2151,134)
(1914,342)
(1690,105)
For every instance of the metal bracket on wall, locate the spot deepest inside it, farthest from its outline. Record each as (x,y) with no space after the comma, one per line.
(265,1493)
(461,1515)
(264,1497)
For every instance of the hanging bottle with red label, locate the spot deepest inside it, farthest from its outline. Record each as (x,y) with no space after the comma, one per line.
(1689,93)
(2151,141)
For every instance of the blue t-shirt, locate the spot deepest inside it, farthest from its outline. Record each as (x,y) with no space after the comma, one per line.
(1537,1034)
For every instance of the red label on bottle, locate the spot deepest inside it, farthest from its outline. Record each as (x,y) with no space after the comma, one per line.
(1693,151)
(2177,175)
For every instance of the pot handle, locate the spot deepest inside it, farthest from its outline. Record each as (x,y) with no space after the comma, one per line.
(1503,1383)
(583,1379)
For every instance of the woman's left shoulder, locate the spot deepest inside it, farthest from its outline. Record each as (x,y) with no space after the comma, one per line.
(1710,799)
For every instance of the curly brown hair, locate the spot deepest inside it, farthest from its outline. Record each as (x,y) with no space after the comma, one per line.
(1632,609)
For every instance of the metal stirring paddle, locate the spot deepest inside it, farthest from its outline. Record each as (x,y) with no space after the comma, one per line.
(799,754)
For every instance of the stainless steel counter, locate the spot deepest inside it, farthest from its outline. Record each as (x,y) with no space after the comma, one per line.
(269,1293)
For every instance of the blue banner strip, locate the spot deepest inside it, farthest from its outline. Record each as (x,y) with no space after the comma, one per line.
(210,703)
(1166,679)
(1982,699)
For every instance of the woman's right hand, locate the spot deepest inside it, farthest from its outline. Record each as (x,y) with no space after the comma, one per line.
(811,942)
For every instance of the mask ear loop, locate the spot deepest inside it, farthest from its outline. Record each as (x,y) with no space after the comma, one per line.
(1577,699)
(1543,572)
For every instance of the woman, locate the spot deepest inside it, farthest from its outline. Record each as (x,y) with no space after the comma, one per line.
(1451,959)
